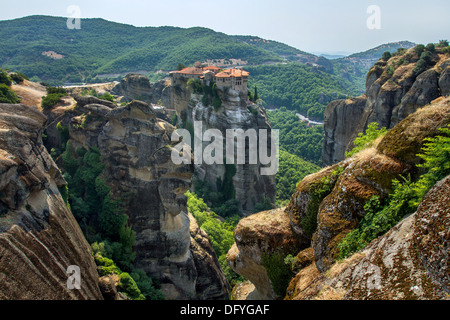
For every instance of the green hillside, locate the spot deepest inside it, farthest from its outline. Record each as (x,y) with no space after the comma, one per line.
(303,88)
(43,48)
(102,47)
(278,48)
(377,52)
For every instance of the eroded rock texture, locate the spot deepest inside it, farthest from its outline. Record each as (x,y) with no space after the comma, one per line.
(265,233)
(39,237)
(251,187)
(135,146)
(394,90)
(411,261)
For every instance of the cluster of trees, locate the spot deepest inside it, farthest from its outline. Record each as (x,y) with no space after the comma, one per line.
(297,137)
(425,54)
(6,94)
(53,97)
(299,87)
(137,285)
(422,56)
(210,94)
(220,232)
(223,200)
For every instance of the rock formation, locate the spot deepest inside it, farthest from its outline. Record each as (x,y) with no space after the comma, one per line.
(39,237)
(253,241)
(211,283)
(394,90)
(135,146)
(251,187)
(408,262)
(235,113)
(138,87)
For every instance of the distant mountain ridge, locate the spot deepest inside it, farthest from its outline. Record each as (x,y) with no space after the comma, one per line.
(44,47)
(369,57)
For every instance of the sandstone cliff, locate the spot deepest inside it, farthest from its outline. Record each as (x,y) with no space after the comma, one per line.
(411,262)
(135,147)
(251,187)
(394,90)
(39,237)
(408,262)
(235,113)
(137,86)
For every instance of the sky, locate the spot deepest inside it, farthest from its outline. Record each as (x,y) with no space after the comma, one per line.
(316,26)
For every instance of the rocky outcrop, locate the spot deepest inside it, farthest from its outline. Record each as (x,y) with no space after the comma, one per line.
(235,113)
(39,237)
(367,174)
(394,90)
(251,187)
(137,86)
(336,197)
(410,262)
(135,146)
(263,234)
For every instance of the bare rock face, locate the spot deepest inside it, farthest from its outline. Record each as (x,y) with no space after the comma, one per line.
(338,135)
(137,86)
(250,185)
(444,80)
(39,237)
(393,92)
(410,262)
(135,146)
(431,238)
(265,233)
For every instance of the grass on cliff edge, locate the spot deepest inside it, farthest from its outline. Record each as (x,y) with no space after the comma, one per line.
(405,198)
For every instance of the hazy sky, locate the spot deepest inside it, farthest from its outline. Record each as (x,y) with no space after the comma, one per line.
(318,26)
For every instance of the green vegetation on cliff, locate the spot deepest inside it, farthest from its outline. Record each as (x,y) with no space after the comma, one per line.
(102,221)
(53,97)
(6,94)
(220,232)
(404,200)
(365,140)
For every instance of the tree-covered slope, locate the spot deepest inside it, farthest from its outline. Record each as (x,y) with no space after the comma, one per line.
(303,88)
(101,46)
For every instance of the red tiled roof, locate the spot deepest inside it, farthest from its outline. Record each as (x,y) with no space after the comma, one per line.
(190,70)
(232,73)
(211,68)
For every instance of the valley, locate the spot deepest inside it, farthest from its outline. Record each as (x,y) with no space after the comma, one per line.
(247,170)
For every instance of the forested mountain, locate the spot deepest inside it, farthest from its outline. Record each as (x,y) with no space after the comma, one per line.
(304,88)
(43,46)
